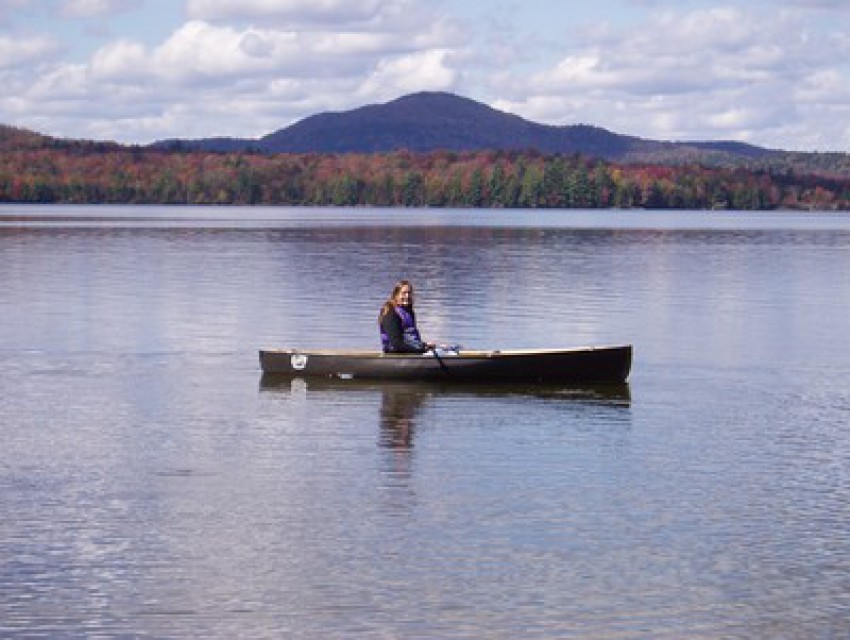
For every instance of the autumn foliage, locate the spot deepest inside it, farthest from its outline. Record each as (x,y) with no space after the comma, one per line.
(84,172)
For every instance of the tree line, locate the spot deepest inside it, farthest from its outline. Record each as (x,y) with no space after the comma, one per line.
(84,173)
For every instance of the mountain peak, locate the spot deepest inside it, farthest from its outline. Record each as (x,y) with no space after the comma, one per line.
(436,120)
(424,121)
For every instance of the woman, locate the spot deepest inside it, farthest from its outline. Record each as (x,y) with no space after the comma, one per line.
(398,322)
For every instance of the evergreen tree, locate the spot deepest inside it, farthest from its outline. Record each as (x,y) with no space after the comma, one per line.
(498,187)
(412,191)
(554,182)
(475,192)
(579,186)
(531,189)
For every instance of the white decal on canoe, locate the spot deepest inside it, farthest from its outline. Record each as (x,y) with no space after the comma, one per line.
(298,361)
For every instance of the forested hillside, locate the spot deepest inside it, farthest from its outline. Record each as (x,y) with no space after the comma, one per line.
(45,170)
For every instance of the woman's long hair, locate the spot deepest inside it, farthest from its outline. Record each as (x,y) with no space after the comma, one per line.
(390,304)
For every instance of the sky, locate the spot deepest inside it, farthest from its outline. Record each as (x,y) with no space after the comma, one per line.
(774,73)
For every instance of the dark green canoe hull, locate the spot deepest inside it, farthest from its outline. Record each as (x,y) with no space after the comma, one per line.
(584,365)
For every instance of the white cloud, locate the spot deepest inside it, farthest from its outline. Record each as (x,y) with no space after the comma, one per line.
(203,52)
(63,85)
(825,87)
(332,11)
(226,77)
(199,49)
(16,52)
(95,8)
(9,7)
(122,61)
(417,72)
(819,4)
(256,45)
(704,74)
(66,8)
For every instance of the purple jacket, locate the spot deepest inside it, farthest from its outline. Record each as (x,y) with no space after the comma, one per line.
(399,333)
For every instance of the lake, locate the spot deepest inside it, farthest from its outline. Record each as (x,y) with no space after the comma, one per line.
(153,485)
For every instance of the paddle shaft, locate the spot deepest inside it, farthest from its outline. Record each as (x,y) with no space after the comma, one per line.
(440,360)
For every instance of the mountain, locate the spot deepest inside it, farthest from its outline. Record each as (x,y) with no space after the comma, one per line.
(215,145)
(431,121)
(17,139)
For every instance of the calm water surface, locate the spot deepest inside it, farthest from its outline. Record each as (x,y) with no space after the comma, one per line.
(154,486)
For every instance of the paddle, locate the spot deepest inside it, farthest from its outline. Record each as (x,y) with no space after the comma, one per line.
(439,359)
(436,351)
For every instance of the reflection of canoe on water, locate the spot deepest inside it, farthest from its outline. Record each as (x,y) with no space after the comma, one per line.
(413,392)
(585,365)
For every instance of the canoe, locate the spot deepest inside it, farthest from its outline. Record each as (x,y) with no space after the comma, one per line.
(582,365)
